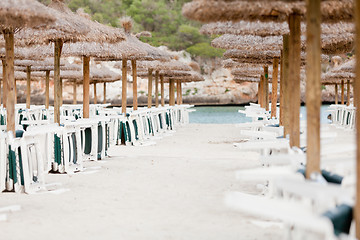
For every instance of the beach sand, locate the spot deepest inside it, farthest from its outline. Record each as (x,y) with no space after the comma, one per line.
(172,190)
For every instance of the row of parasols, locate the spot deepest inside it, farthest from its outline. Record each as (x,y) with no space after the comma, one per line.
(34,32)
(295,37)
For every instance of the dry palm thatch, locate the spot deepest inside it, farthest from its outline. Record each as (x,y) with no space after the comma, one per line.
(174,73)
(331,43)
(194,77)
(30,53)
(69,27)
(265,29)
(170,65)
(222,10)
(153,53)
(336,77)
(23,13)
(242,79)
(260,57)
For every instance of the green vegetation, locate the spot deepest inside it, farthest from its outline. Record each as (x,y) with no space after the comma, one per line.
(162,18)
(227,90)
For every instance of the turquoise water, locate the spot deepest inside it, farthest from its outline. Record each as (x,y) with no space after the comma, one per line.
(230,114)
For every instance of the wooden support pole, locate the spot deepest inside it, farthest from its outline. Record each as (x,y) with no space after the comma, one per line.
(157,88)
(15,89)
(281,121)
(162,90)
(4,83)
(266,87)
(124,86)
(342,92)
(274,84)
(286,85)
(259,91)
(57,87)
(10,99)
(336,94)
(74,92)
(61,91)
(262,88)
(47,89)
(95,95)
(294,70)
(86,86)
(348,93)
(134,76)
(180,91)
(357,123)
(150,88)
(172,92)
(28,86)
(104,101)
(313,85)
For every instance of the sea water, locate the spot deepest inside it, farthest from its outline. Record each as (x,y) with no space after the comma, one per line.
(230,115)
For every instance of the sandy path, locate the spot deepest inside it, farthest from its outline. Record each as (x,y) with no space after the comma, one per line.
(173,190)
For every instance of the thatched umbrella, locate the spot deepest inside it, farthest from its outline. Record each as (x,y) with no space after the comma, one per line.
(97,75)
(146,52)
(279,11)
(193,77)
(14,15)
(266,29)
(46,66)
(81,29)
(330,43)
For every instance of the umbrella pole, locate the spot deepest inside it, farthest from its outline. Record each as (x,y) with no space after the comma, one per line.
(266,88)
(274,87)
(10,99)
(57,86)
(281,122)
(262,91)
(178,92)
(15,90)
(134,75)
(47,83)
(157,88)
(95,96)
(162,90)
(348,93)
(294,71)
(124,86)
(357,123)
(74,92)
(336,94)
(104,101)
(86,86)
(28,86)
(61,91)
(313,86)
(172,93)
(342,92)
(286,85)
(259,92)
(4,83)
(150,88)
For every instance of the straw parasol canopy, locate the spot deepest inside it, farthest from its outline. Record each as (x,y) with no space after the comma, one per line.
(260,57)
(265,29)
(193,77)
(228,10)
(69,27)
(23,13)
(330,43)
